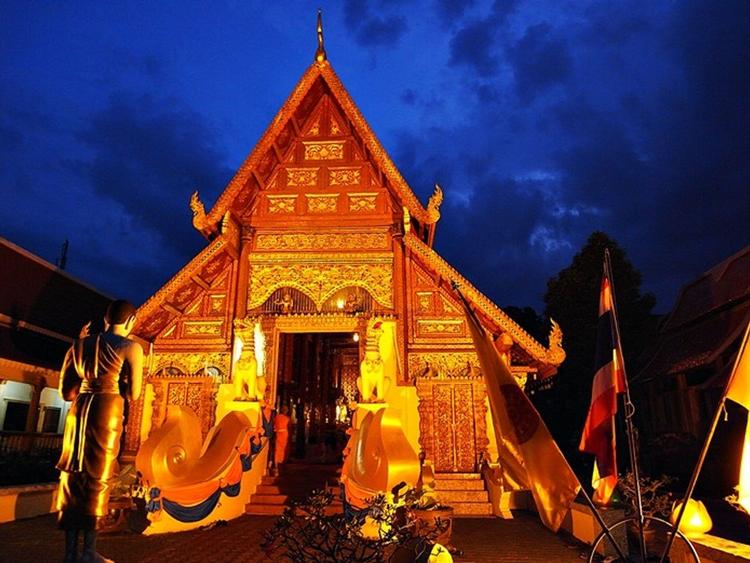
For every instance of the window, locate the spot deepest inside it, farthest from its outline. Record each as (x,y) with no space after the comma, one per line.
(16,414)
(50,420)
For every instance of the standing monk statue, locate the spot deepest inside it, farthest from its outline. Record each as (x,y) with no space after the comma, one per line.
(98,373)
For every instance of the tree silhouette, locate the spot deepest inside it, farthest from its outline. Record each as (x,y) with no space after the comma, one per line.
(572,299)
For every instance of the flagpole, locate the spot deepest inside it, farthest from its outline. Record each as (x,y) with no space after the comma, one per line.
(592,506)
(629,407)
(706,444)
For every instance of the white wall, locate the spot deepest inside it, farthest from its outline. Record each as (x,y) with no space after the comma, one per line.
(22,392)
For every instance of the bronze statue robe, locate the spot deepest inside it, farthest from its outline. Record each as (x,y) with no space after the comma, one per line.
(96,367)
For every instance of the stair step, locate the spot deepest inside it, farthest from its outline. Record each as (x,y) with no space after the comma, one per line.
(471,509)
(448,476)
(265,509)
(451,497)
(269,499)
(459,485)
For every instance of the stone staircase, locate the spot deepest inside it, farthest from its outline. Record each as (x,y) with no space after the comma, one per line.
(465,492)
(295,481)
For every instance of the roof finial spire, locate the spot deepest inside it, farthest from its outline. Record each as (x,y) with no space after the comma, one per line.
(320,53)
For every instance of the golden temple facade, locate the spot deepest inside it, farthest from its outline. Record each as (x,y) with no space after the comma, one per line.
(316,235)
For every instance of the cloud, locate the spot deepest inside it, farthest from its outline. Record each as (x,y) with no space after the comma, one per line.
(474,45)
(450,11)
(371,29)
(148,154)
(539,61)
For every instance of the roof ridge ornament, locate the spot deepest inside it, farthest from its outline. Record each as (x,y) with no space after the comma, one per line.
(320,52)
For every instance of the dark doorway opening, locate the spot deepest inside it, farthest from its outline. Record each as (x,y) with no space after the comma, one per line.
(317,380)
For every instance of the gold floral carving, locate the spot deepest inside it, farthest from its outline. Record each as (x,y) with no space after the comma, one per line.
(322,203)
(452,428)
(216,303)
(304,177)
(202,328)
(314,130)
(319,280)
(335,130)
(279,204)
(324,150)
(191,363)
(424,300)
(444,365)
(344,176)
(441,326)
(362,202)
(317,323)
(322,241)
(463,420)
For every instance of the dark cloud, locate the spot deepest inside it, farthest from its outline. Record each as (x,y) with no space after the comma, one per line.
(149,154)
(474,44)
(645,138)
(539,60)
(370,29)
(450,11)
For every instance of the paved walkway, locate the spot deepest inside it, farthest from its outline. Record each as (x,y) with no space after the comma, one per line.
(482,540)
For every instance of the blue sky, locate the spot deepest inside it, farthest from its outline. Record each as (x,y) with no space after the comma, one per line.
(543,121)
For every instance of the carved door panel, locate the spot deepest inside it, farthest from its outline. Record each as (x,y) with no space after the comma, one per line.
(196,393)
(453,428)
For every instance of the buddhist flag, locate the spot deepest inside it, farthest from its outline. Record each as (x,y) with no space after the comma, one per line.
(609,380)
(738,390)
(553,484)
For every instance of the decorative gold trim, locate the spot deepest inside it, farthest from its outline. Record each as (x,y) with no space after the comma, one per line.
(440,326)
(344,176)
(302,177)
(362,202)
(324,150)
(279,204)
(318,279)
(322,203)
(202,328)
(322,241)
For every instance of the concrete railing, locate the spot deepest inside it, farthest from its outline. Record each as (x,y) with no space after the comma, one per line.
(29,441)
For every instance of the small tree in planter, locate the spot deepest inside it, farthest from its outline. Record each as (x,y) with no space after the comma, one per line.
(306,533)
(655,501)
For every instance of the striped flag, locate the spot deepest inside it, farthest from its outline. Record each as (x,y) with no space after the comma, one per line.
(738,390)
(522,437)
(609,380)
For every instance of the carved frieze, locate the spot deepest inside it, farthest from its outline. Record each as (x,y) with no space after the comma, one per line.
(344,176)
(301,177)
(202,328)
(191,363)
(444,365)
(324,150)
(362,202)
(321,278)
(449,327)
(322,241)
(281,204)
(321,203)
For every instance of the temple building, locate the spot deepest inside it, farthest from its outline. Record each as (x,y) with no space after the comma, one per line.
(689,366)
(316,240)
(42,310)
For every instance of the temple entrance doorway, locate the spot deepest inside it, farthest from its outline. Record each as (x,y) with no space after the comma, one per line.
(317,375)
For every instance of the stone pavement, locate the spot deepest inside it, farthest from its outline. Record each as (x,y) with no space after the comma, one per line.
(482,540)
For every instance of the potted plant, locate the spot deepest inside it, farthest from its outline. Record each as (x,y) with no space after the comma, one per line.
(655,500)
(427,512)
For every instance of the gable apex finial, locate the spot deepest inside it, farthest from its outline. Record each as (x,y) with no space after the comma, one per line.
(320,53)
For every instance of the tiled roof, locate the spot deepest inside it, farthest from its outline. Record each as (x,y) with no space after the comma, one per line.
(42,307)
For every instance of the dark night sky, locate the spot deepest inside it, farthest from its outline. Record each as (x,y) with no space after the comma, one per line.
(543,121)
